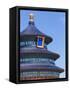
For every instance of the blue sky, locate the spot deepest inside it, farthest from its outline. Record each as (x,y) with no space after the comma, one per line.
(53,25)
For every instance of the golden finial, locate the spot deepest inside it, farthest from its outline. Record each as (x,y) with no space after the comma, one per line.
(31,17)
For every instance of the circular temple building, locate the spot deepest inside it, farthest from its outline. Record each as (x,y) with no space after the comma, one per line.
(36,61)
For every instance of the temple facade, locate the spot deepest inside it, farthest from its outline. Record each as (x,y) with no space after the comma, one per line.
(36,61)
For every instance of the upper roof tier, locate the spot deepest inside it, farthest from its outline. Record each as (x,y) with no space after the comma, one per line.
(31,32)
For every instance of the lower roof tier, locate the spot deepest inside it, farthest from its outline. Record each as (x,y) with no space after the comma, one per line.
(38,52)
(27,67)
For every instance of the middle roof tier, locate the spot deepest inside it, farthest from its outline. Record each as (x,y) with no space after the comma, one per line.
(38,52)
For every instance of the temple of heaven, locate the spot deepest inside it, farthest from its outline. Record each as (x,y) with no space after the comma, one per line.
(36,61)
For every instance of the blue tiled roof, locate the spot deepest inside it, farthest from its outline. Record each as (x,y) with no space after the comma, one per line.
(36,51)
(40,67)
(31,30)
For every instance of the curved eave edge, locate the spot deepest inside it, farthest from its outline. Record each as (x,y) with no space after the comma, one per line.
(60,70)
(48,39)
(53,56)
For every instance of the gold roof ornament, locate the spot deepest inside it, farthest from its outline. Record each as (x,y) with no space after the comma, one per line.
(31,17)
